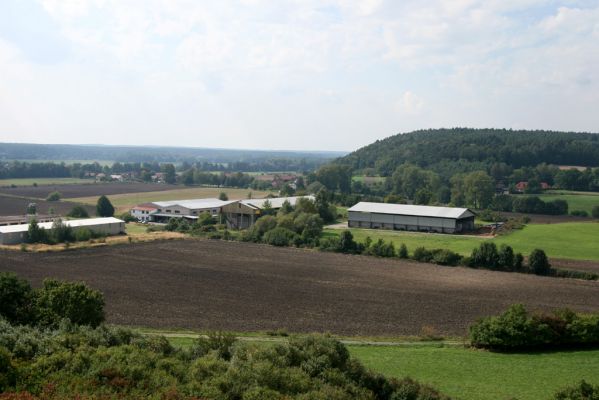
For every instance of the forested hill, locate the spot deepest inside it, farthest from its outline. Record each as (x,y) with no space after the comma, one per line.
(462,149)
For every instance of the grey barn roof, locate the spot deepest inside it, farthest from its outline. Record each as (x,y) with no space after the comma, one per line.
(194,203)
(275,202)
(413,210)
(73,223)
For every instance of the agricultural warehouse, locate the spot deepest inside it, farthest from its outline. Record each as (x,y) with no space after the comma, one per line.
(243,213)
(15,234)
(162,211)
(411,217)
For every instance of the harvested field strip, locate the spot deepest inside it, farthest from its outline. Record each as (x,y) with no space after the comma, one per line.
(86,188)
(125,201)
(481,375)
(204,284)
(12,205)
(572,240)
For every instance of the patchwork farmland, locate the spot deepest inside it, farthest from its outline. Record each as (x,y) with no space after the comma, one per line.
(203,284)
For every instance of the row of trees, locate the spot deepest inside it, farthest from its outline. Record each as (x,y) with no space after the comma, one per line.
(517,329)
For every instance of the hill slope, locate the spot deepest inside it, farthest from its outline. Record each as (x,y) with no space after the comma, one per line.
(466,148)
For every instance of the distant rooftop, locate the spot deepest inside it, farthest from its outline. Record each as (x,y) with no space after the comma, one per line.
(193,203)
(275,202)
(414,210)
(72,223)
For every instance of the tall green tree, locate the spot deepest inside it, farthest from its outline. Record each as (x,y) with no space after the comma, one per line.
(479,188)
(104,207)
(170,175)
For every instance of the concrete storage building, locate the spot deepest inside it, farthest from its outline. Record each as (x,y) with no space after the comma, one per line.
(243,213)
(15,234)
(189,209)
(411,217)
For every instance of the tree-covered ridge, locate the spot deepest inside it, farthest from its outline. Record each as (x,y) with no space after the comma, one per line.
(466,149)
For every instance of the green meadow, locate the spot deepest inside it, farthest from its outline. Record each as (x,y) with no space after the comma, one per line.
(573,240)
(580,201)
(458,371)
(464,373)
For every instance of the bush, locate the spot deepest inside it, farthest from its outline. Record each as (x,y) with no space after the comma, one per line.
(72,300)
(279,237)
(538,262)
(60,232)
(16,297)
(35,234)
(127,217)
(486,256)
(516,329)
(54,196)
(78,212)
(83,235)
(582,391)
(347,244)
(446,257)
(595,212)
(579,213)
(403,251)
(423,255)
(380,248)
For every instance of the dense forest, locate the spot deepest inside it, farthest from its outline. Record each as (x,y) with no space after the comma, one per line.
(450,151)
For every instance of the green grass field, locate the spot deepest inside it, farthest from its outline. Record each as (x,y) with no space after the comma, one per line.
(369,179)
(574,240)
(123,202)
(481,375)
(43,181)
(462,373)
(583,201)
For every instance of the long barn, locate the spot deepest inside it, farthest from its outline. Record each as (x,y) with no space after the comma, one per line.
(411,217)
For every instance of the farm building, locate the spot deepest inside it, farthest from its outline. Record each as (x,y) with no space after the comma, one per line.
(15,234)
(243,213)
(411,217)
(188,209)
(144,212)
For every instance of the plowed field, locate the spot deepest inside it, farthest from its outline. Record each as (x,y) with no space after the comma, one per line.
(204,284)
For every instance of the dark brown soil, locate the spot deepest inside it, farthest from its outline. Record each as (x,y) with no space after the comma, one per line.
(18,206)
(577,265)
(85,190)
(204,284)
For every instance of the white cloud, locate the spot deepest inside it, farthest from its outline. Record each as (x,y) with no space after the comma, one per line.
(333,71)
(410,104)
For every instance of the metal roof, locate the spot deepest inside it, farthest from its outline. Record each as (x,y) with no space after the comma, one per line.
(193,204)
(413,210)
(72,223)
(275,202)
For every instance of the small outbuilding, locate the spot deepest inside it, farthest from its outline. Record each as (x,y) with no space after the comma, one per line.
(411,217)
(15,234)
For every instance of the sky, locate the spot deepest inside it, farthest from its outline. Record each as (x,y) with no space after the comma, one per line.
(292,75)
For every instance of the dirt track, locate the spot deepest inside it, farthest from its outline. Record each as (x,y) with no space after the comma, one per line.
(249,287)
(85,190)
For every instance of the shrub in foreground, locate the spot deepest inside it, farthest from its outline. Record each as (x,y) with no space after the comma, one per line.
(517,329)
(49,305)
(582,391)
(83,362)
